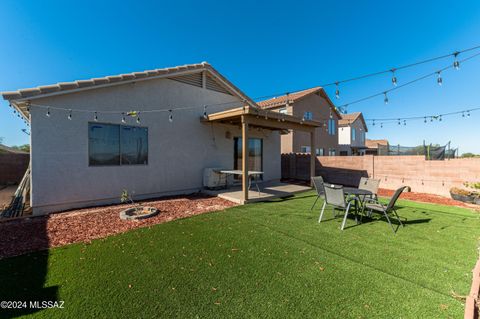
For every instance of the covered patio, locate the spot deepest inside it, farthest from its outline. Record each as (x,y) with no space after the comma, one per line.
(248,118)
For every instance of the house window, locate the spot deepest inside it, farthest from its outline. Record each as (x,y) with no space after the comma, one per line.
(353,133)
(320,152)
(283,110)
(255,154)
(331,127)
(331,152)
(308,116)
(305,149)
(111,144)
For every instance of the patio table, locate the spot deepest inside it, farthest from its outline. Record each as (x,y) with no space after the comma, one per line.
(252,177)
(356,193)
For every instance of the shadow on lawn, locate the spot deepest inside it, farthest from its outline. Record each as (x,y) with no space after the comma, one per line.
(22,278)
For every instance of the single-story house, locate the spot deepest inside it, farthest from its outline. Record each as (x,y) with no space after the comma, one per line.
(152,133)
(352,131)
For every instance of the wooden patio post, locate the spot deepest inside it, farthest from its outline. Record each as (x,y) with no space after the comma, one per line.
(313,154)
(245,158)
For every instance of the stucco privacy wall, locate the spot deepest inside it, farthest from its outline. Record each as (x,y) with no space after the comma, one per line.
(434,177)
(178,151)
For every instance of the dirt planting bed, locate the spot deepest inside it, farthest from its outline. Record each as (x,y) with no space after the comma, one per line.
(30,234)
(425,198)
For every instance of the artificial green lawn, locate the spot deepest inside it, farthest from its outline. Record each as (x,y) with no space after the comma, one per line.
(265,260)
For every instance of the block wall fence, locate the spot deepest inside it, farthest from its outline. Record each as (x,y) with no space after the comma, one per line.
(13,167)
(433,177)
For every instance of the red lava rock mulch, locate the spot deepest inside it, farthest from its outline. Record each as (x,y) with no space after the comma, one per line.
(425,198)
(30,234)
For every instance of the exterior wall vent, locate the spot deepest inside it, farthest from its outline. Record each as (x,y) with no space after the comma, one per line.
(213,85)
(194,79)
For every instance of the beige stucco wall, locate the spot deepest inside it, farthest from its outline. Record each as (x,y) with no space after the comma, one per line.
(320,109)
(345,137)
(178,151)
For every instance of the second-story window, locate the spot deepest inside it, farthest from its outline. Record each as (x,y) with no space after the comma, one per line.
(331,127)
(308,116)
(353,134)
(283,110)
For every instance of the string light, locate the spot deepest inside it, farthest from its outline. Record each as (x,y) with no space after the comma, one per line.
(440,118)
(439,78)
(399,122)
(138,118)
(70,115)
(385,99)
(95,117)
(373,123)
(170,117)
(468,113)
(425,120)
(337,91)
(48,112)
(205,116)
(381,125)
(123,118)
(456,63)
(394,78)
(404,122)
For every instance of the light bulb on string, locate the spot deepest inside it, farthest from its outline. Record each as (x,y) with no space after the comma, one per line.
(463,114)
(205,116)
(170,117)
(48,112)
(399,122)
(95,117)
(70,115)
(440,118)
(331,115)
(385,99)
(337,91)
(394,78)
(439,78)
(431,118)
(425,120)
(404,123)
(456,63)
(123,118)
(381,125)
(468,113)
(373,123)
(138,118)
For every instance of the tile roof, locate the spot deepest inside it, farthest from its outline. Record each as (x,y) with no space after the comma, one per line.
(67,86)
(281,100)
(19,97)
(348,119)
(295,96)
(375,143)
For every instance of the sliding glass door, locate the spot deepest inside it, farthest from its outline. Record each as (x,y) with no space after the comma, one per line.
(255,154)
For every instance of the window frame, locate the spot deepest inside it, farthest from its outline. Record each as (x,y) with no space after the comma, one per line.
(119,146)
(307,115)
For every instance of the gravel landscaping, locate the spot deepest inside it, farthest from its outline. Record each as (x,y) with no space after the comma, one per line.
(30,234)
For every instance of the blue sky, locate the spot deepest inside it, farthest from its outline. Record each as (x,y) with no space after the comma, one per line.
(264,48)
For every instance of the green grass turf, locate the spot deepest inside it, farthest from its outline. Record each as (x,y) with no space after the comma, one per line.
(265,260)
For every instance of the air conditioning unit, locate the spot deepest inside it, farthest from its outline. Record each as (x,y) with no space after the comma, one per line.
(213,179)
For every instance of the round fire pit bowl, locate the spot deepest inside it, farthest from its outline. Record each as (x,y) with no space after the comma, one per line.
(136,213)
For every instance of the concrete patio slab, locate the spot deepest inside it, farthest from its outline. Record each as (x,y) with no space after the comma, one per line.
(268,191)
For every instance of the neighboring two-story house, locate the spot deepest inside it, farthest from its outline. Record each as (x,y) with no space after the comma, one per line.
(351,134)
(310,104)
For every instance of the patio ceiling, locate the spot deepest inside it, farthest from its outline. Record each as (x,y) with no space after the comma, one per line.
(265,119)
